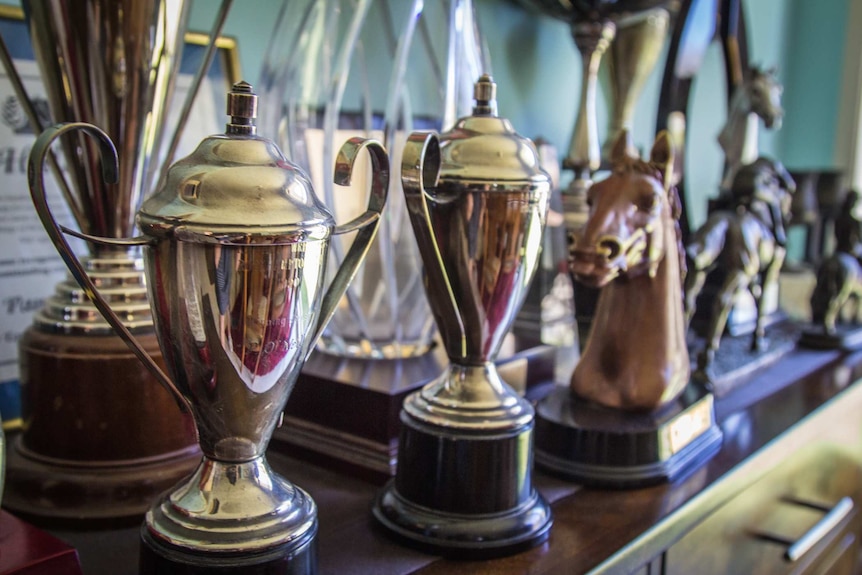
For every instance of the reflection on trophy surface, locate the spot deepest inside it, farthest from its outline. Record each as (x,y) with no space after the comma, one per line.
(95,428)
(478,201)
(235,244)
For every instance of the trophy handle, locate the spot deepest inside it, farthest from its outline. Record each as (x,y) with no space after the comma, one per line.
(420,171)
(366,223)
(110,173)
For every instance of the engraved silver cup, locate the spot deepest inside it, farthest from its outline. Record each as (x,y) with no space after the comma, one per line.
(235,245)
(477,200)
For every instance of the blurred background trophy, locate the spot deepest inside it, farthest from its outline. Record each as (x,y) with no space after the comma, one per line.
(95,428)
(628,36)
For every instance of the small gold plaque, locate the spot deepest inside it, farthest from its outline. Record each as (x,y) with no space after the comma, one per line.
(690,425)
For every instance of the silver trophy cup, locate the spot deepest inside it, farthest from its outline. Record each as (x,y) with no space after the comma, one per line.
(477,200)
(235,244)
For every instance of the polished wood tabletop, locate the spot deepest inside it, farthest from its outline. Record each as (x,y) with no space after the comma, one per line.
(806,396)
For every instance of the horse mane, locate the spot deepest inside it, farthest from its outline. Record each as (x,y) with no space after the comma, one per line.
(628,164)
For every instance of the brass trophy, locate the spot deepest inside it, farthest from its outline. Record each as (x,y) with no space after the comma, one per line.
(98,440)
(235,243)
(477,200)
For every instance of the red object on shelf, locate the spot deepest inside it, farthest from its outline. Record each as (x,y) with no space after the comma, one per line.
(27,550)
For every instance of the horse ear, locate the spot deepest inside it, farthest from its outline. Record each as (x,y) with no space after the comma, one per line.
(661,155)
(621,148)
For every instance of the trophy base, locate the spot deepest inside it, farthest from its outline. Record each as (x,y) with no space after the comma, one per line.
(598,446)
(101,438)
(847,337)
(463,486)
(464,536)
(735,363)
(237,517)
(60,493)
(296,558)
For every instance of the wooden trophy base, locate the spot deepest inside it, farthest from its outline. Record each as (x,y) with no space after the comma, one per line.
(598,446)
(847,337)
(293,558)
(343,412)
(100,437)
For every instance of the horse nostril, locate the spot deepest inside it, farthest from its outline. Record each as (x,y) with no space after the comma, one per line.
(610,247)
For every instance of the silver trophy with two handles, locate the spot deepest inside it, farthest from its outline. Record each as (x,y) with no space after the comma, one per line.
(235,244)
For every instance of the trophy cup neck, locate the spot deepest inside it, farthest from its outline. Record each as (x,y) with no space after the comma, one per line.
(470,397)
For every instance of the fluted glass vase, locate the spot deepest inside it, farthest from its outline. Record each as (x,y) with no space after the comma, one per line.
(340,68)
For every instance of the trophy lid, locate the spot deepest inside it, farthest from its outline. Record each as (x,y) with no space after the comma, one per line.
(484,147)
(236,188)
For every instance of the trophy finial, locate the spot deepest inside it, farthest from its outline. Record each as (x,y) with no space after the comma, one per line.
(485,94)
(242,109)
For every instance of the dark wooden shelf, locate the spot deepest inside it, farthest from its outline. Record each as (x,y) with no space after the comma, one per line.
(807,399)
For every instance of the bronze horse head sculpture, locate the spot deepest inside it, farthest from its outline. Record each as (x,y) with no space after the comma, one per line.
(636,356)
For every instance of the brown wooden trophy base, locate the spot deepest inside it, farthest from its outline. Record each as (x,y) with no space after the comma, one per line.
(344,412)
(100,438)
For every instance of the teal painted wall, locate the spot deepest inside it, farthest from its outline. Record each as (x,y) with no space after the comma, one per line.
(815,52)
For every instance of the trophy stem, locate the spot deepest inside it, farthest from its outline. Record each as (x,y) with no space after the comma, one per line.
(592,39)
(630,60)
(202,70)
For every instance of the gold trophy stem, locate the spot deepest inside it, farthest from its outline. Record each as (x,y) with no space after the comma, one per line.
(592,39)
(630,60)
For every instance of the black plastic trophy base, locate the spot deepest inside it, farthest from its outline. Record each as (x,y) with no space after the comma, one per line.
(464,494)
(293,558)
(598,446)
(845,336)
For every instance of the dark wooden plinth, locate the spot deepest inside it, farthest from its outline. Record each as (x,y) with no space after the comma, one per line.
(344,413)
(846,336)
(594,445)
(294,558)
(735,363)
